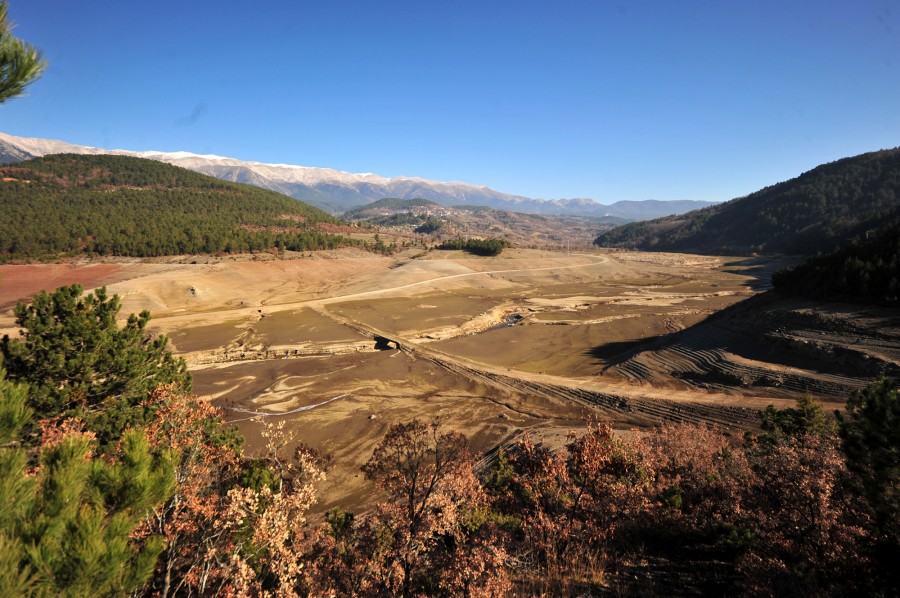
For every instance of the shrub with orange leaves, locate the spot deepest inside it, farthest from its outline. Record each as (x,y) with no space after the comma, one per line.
(808,530)
(572,501)
(200,536)
(699,480)
(430,536)
(226,532)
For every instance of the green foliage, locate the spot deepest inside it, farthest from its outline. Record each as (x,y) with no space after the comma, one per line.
(670,497)
(65,533)
(502,474)
(340,523)
(397,219)
(66,525)
(89,503)
(430,225)
(119,205)
(865,271)
(256,474)
(77,360)
(510,523)
(486,247)
(871,442)
(813,212)
(20,62)
(14,409)
(379,245)
(807,417)
(739,536)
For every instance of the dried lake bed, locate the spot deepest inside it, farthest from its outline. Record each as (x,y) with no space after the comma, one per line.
(526,342)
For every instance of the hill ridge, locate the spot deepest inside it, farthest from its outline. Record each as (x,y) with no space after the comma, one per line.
(815,211)
(66,204)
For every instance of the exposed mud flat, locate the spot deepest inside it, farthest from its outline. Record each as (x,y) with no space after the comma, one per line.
(526,342)
(376,389)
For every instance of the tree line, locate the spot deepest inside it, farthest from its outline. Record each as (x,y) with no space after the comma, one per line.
(485,247)
(124,206)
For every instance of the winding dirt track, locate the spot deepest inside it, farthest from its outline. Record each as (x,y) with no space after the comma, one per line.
(240,312)
(630,405)
(638,410)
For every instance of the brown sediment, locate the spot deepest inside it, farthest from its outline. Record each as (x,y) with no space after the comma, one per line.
(631,338)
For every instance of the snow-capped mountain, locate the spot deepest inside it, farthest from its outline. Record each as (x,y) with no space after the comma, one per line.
(337,191)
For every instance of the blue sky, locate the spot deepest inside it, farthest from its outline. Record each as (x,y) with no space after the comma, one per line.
(611,100)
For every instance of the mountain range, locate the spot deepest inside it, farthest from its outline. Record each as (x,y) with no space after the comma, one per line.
(336,191)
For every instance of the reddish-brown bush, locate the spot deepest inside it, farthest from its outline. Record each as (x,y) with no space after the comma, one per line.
(430,536)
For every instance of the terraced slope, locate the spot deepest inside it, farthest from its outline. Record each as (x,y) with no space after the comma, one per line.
(638,410)
(772,344)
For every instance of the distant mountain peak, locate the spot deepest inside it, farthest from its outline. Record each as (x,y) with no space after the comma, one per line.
(165,156)
(337,191)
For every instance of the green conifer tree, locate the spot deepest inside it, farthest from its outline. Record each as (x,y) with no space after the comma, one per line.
(78,361)
(20,62)
(871,438)
(66,515)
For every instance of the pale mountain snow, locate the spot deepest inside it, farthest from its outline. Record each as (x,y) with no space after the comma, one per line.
(336,190)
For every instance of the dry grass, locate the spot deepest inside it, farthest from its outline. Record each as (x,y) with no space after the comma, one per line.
(587,577)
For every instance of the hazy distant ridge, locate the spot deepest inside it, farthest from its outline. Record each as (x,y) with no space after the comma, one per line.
(336,191)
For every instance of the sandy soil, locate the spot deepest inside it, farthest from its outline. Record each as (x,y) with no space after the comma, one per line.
(526,342)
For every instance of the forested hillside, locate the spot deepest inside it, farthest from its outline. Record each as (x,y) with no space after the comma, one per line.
(814,212)
(865,271)
(388,204)
(117,205)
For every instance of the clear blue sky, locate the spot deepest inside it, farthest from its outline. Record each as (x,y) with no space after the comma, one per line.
(611,100)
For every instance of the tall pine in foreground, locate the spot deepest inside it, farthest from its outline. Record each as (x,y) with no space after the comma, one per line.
(67,515)
(77,473)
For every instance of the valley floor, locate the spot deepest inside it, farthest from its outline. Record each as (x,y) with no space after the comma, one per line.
(527,342)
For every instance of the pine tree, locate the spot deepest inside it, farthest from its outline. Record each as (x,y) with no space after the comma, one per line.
(807,417)
(78,361)
(67,516)
(20,62)
(871,442)
(14,409)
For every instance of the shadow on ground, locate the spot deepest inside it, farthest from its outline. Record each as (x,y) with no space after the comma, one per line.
(789,345)
(761,269)
(611,354)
